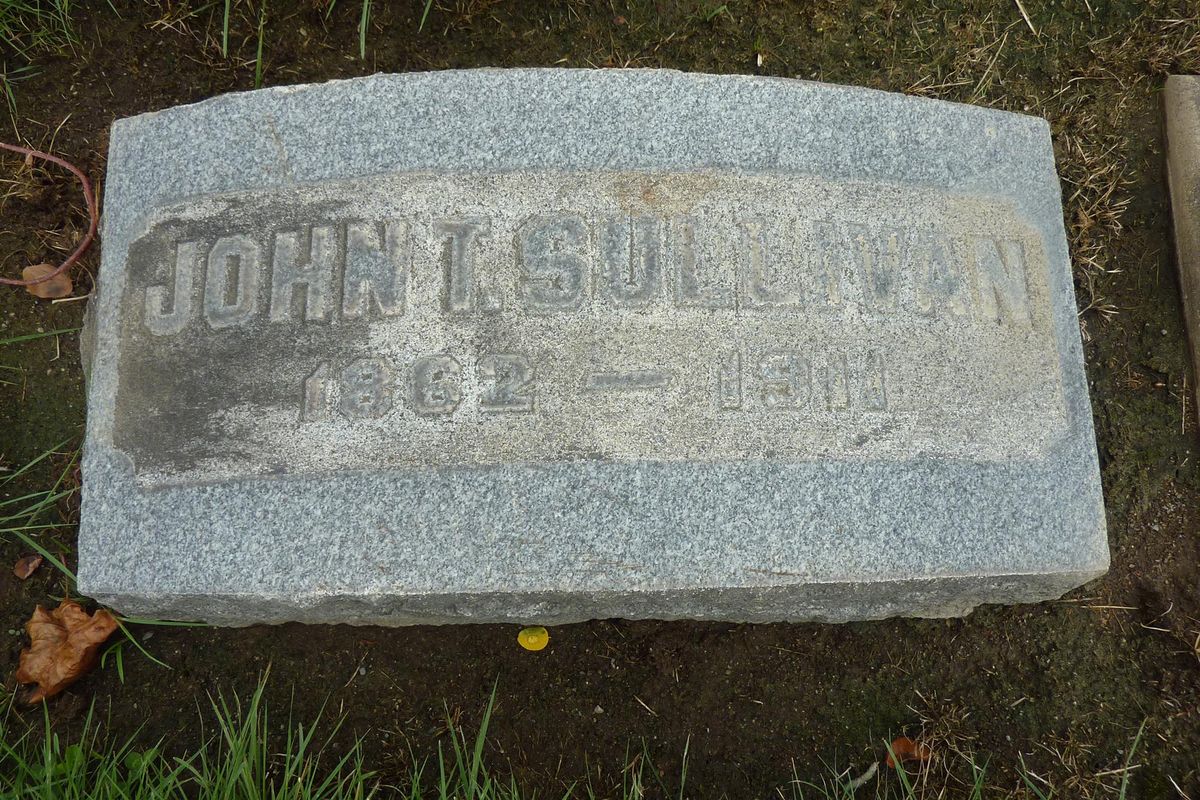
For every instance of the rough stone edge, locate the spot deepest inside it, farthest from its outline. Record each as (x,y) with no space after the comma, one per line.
(850,88)
(929,597)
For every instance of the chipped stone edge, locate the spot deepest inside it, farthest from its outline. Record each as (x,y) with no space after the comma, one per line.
(932,597)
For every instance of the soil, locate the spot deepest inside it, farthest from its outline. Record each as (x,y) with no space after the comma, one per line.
(1063,686)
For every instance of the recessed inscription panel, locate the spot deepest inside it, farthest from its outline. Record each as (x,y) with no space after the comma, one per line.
(430,320)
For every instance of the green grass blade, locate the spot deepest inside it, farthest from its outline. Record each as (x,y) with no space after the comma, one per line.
(901,773)
(1129,759)
(1030,785)
(258,64)
(31,336)
(43,552)
(363,20)
(141,649)
(52,451)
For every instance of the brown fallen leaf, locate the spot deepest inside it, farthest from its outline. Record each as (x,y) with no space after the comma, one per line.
(64,646)
(26,566)
(58,286)
(906,749)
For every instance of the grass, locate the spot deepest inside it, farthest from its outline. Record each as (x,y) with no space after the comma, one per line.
(31,336)
(241,761)
(225,30)
(9,78)
(31,26)
(250,756)
(258,54)
(21,515)
(20,519)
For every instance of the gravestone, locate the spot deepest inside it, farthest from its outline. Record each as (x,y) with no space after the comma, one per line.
(550,345)
(1182,105)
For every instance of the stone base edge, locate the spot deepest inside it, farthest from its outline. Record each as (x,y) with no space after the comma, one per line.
(811,602)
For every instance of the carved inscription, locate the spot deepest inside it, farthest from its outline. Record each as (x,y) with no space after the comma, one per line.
(562,262)
(368,387)
(452,320)
(509,381)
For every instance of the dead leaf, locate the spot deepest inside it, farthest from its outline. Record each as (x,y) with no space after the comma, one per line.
(906,749)
(26,566)
(64,646)
(58,286)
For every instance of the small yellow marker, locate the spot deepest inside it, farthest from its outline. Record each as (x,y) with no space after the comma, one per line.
(535,638)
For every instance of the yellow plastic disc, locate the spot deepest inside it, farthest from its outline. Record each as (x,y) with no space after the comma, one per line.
(535,638)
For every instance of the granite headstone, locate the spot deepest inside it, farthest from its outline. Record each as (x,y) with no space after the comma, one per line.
(550,345)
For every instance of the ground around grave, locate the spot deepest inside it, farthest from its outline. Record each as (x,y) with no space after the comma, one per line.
(1062,686)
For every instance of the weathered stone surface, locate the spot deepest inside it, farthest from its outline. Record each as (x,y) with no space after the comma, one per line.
(548,345)
(1182,101)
